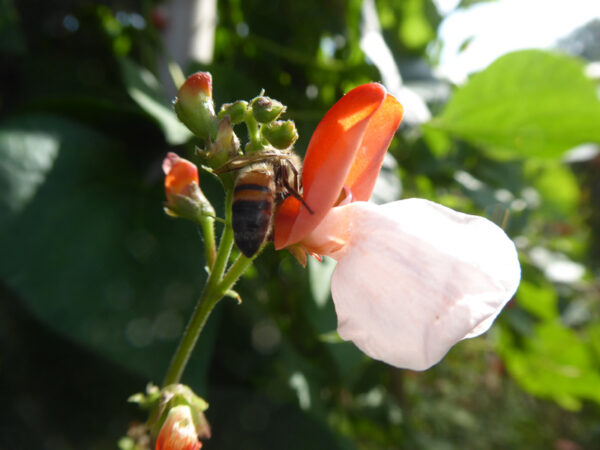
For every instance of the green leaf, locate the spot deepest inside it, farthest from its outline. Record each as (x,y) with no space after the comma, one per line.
(541,301)
(559,189)
(526,103)
(320,280)
(145,89)
(469,3)
(553,363)
(94,257)
(11,37)
(27,155)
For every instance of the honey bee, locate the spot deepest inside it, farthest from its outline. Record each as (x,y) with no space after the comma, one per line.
(265,179)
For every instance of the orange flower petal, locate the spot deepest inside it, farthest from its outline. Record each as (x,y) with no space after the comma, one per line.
(180,173)
(375,142)
(178,431)
(329,158)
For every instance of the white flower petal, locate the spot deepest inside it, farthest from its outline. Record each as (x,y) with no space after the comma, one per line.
(416,277)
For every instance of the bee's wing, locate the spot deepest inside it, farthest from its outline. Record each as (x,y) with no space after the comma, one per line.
(239,162)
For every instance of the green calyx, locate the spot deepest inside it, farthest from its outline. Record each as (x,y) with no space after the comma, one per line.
(280,134)
(265,109)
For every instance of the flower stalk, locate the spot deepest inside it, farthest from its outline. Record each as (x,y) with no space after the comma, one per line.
(216,287)
(194,107)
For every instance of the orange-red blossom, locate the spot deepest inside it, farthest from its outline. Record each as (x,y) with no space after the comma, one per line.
(180,174)
(178,432)
(412,277)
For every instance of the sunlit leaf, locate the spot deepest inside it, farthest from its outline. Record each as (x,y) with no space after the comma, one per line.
(27,156)
(553,363)
(147,92)
(527,103)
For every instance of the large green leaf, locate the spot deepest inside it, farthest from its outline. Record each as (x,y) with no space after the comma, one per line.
(93,255)
(527,103)
(26,156)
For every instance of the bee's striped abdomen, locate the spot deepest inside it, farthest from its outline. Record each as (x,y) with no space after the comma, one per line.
(252,209)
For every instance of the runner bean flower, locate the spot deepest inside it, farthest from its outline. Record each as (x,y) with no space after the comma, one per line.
(178,432)
(180,176)
(412,277)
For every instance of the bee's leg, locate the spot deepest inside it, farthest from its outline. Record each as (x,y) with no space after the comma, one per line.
(295,174)
(294,193)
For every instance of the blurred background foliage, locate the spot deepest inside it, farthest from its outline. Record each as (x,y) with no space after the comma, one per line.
(96,282)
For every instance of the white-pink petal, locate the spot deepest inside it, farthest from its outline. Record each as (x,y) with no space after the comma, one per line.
(414,278)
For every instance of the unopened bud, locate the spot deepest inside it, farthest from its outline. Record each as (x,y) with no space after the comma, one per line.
(194,105)
(236,111)
(184,196)
(280,134)
(179,175)
(225,146)
(178,432)
(266,110)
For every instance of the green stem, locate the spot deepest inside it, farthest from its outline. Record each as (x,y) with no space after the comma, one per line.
(207,224)
(225,245)
(215,289)
(236,270)
(253,133)
(205,305)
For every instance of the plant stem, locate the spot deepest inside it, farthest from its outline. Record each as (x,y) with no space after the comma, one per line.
(253,133)
(205,305)
(224,246)
(207,224)
(236,270)
(214,290)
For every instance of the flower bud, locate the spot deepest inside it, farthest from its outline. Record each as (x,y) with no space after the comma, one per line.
(184,197)
(280,134)
(236,111)
(266,109)
(194,105)
(178,432)
(225,146)
(180,174)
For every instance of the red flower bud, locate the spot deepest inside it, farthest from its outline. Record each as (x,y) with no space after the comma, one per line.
(194,105)
(197,84)
(180,174)
(178,432)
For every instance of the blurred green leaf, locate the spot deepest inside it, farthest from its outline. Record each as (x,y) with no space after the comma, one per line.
(250,421)
(94,256)
(27,155)
(468,3)
(415,29)
(553,363)
(541,301)
(147,92)
(320,311)
(320,279)
(559,190)
(526,103)
(11,38)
